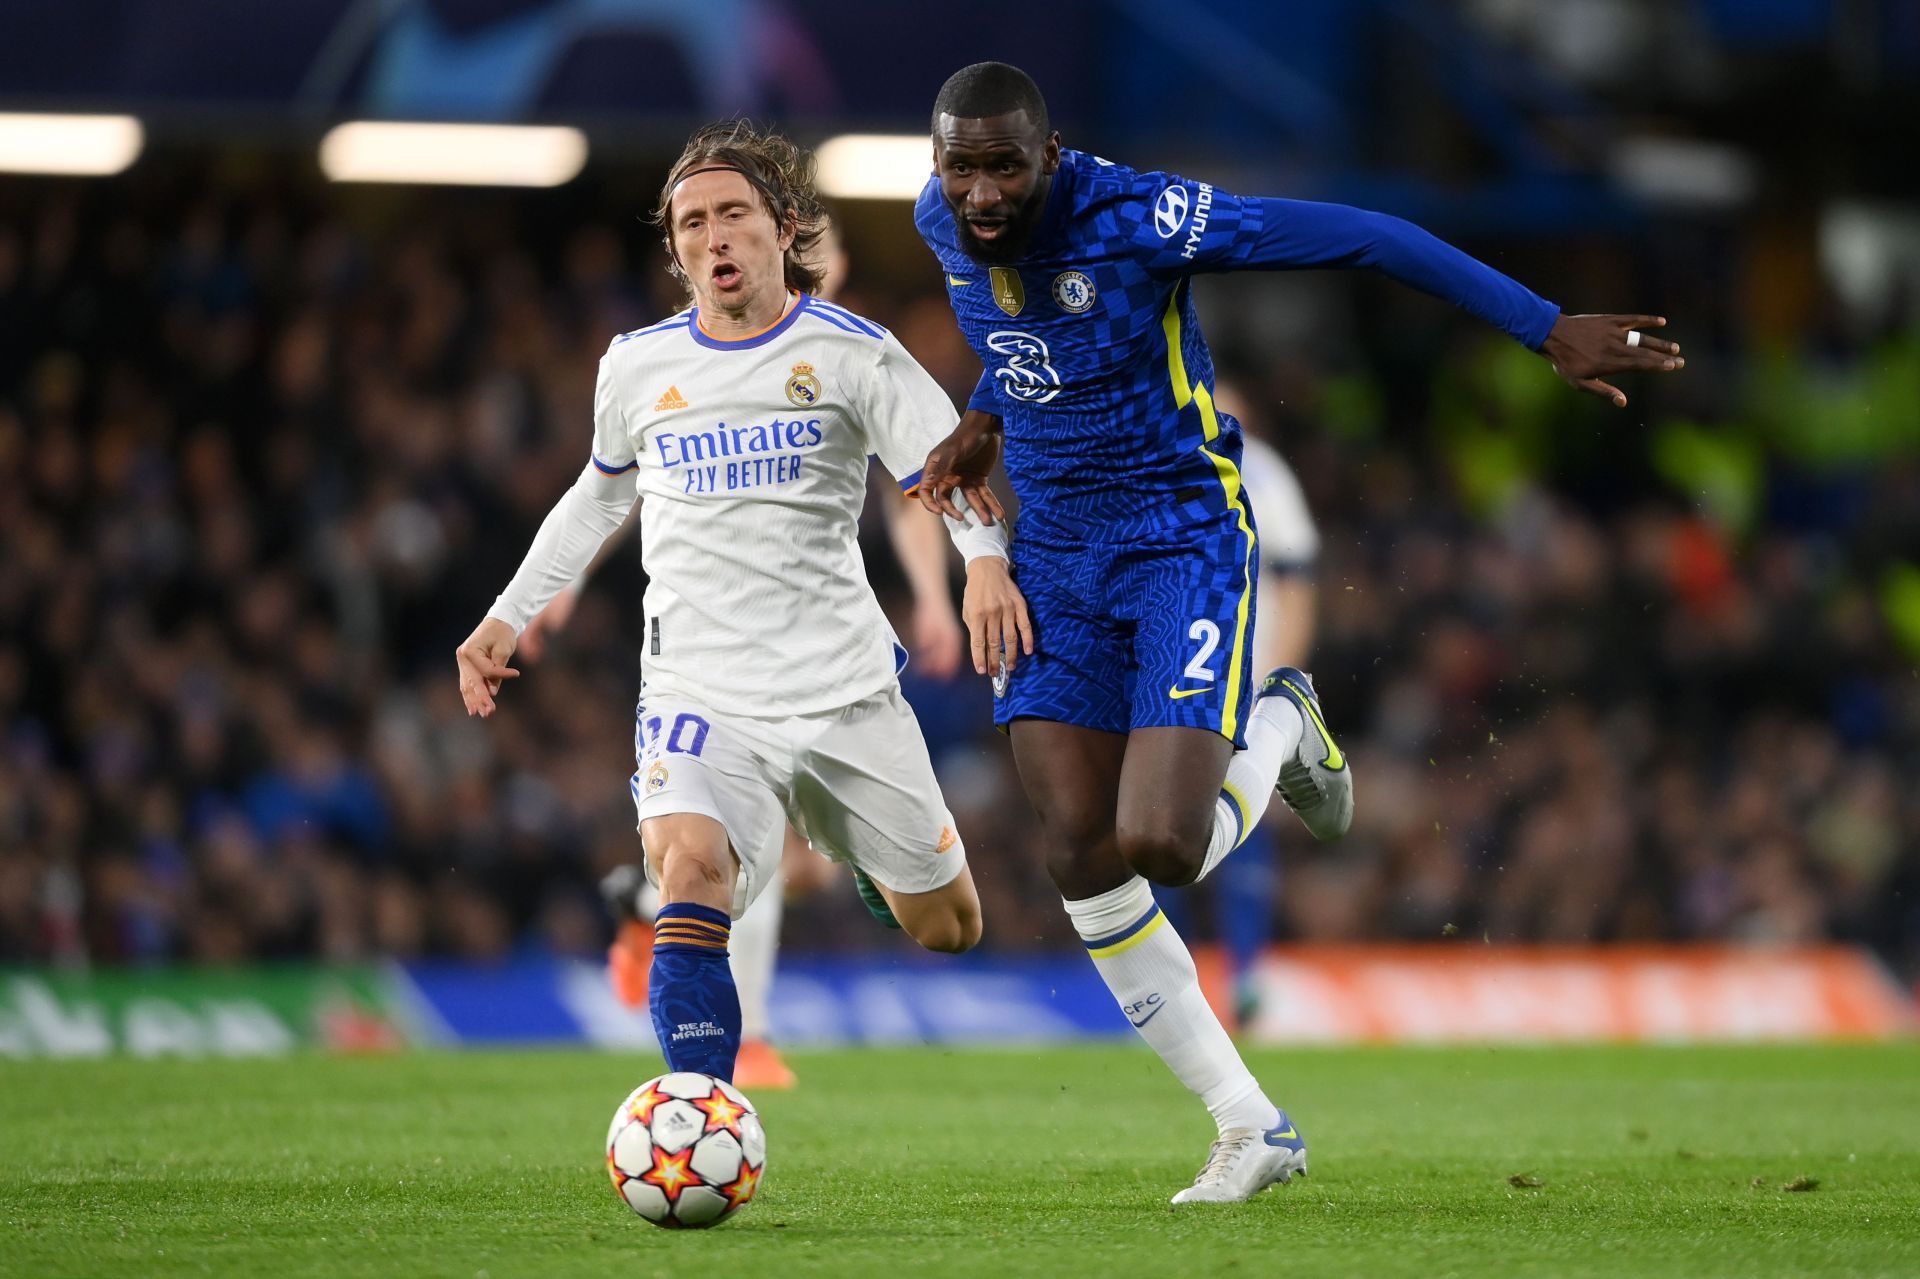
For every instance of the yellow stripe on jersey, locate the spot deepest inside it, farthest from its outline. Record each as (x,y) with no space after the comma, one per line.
(1187,392)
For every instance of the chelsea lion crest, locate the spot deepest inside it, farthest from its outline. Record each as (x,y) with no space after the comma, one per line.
(1073,291)
(803,388)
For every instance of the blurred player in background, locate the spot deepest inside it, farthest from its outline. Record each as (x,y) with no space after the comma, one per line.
(1246,886)
(1135,726)
(768,692)
(920,545)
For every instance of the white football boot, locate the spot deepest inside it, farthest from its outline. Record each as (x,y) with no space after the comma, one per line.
(1245,1161)
(1317,782)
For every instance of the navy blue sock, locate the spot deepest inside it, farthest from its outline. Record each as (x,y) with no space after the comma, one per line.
(696,1010)
(1248,889)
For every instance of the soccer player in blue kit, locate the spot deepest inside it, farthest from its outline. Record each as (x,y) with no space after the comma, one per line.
(1140,738)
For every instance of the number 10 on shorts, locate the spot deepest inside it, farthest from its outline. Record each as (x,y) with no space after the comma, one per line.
(687,737)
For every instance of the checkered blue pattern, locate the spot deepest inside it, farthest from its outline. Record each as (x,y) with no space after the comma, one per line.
(1092,396)
(1136,637)
(1111,417)
(1132,525)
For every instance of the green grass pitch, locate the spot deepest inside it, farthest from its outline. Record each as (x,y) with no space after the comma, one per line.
(922,1163)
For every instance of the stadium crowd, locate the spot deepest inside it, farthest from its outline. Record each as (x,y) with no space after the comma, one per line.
(262,463)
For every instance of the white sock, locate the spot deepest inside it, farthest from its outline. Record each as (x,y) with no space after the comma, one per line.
(1151,973)
(1273,735)
(755,945)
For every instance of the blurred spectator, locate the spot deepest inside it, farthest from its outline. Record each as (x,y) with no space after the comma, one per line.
(260,466)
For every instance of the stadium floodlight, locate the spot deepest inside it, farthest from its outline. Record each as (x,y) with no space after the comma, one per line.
(486,155)
(874,166)
(82,145)
(1686,172)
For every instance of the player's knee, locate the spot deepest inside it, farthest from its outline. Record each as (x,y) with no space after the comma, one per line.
(1162,857)
(1080,856)
(690,872)
(948,934)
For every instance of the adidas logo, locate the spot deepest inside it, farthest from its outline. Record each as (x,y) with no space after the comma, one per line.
(671,400)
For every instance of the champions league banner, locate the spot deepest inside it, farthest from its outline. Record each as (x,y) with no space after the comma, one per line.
(815,1002)
(508,60)
(1308,995)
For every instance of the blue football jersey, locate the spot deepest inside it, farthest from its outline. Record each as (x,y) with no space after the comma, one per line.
(1092,352)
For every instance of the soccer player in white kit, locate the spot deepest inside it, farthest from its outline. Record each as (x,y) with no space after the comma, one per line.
(768,693)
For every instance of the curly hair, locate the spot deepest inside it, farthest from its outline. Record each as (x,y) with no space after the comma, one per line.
(779,170)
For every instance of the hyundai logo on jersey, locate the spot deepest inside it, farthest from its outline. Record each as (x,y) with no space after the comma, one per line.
(1170,211)
(1202,210)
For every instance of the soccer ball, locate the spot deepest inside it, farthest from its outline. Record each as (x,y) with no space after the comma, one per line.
(686,1150)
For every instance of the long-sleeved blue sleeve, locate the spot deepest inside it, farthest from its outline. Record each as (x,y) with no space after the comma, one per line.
(1212,230)
(986,396)
(1298,234)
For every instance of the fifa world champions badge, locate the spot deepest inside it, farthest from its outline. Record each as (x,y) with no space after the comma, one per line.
(1008,293)
(803,388)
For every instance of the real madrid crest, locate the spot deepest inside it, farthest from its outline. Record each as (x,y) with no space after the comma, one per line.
(1073,291)
(803,388)
(1007,290)
(656,776)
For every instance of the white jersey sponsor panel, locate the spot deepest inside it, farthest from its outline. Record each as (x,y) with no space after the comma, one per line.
(751,459)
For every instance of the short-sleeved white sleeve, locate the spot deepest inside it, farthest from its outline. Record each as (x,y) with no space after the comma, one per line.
(904,412)
(613,444)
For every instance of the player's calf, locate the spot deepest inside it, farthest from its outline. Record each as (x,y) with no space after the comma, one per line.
(691,992)
(946,920)
(1169,787)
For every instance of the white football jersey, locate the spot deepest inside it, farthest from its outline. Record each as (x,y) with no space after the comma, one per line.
(751,456)
(1289,542)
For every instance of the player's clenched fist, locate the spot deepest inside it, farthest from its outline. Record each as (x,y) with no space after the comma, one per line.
(483,665)
(996,615)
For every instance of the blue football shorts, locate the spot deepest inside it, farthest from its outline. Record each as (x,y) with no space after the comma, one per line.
(1139,636)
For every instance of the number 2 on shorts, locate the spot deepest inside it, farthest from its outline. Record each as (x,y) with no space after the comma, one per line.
(1209,636)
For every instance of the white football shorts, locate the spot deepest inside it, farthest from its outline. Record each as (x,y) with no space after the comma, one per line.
(856,782)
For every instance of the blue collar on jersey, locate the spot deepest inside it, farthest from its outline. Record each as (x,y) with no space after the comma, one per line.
(761,338)
(1053,218)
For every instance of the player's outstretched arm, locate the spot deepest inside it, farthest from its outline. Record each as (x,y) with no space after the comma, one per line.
(580,523)
(483,665)
(1294,234)
(1586,348)
(996,615)
(963,461)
